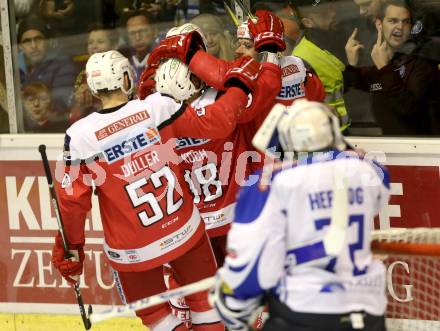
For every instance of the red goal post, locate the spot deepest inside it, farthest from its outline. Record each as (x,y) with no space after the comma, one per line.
(412,257)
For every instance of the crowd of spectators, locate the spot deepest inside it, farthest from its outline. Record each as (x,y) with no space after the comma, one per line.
(378,59)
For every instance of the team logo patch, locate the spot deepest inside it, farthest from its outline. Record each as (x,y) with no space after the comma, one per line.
(292,90)
(96,73)
(121,124)
(118,150)
(132,256)
(189,142)
(66,156)
(417,27)
(114,255)
(66,182)
(290,70)
(375,87)
(201,112)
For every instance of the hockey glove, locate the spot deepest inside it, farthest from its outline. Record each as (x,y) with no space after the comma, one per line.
(268,32)
(243,74)
(237,315)
(70,268)
(147,82)
(182,47)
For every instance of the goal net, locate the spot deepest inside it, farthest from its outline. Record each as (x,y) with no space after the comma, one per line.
(412,257)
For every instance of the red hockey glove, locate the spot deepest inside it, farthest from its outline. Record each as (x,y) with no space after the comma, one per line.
(71,267)
(182,46)
(147,82)
(268,32)
(244,74)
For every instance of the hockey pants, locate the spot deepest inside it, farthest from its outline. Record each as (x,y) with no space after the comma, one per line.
(196,264)
(281,318)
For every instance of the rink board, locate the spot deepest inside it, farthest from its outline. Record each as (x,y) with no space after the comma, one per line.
(44,322)
(28,223)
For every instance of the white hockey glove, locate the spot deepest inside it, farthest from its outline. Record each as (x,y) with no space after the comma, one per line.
(237,315)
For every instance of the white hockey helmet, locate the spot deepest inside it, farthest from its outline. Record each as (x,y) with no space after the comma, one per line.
(173,78)
(309,126)
(243,32)
(106,71)
(186,28)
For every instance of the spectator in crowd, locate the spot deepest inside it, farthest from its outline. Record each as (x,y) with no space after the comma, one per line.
(39,62)
(99,40)
(404,87)
(369,9)
(40,112)
(359,45)
(358,50)
(320,45)
(218,40)
(60,14)
(25,8)
(141,34)
(159,10)
(425,33)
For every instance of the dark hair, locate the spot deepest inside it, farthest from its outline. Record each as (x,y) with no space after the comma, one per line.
(138,12)
(112,33)
(34,87)
(33,24)
(397,3)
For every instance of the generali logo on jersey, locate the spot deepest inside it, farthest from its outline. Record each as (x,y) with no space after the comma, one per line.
(290,70)
(121,124)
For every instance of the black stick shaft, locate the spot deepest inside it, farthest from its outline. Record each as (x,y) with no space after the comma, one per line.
(54,200)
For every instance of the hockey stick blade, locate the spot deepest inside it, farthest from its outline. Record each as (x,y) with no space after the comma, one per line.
(201,285)
(53,196)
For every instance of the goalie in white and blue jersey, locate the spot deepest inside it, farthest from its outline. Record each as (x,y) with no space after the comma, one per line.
(300,241)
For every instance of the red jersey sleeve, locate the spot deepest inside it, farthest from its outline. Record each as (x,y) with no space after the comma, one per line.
(263,99)
(314,88)
(74,195)
(214,121)
(209,69)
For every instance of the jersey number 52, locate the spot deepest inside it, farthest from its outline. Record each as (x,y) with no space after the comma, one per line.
(133,190)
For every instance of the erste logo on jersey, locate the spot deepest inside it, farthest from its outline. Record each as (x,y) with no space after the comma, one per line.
(119,149)
(292,90)
(293,77)
(121,124)
(189,142)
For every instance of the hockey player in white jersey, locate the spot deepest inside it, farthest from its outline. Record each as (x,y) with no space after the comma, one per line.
(301,235)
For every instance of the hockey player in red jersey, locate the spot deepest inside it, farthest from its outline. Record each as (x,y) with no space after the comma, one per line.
(215,182)
(214,169)
(147,210)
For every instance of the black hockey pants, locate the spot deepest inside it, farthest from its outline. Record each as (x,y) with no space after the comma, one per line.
(281,318)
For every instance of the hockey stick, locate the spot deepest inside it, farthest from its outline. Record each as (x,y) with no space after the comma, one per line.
(334,239)
(231,14)
(246,10)
(201,285)
(53,196)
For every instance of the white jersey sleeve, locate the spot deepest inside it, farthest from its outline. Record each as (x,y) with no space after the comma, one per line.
(256,243)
